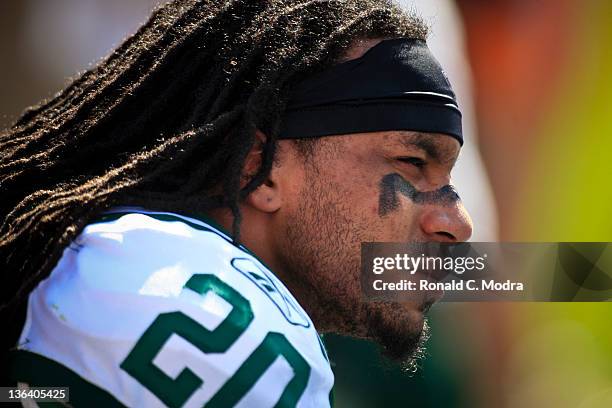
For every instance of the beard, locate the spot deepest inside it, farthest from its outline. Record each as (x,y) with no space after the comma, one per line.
(321,255)
(400,336)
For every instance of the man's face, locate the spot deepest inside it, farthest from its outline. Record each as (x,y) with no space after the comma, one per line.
(352,189)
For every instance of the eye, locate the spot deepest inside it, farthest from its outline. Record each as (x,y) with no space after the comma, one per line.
(415,161)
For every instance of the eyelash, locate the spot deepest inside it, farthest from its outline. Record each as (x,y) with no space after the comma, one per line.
(415,161)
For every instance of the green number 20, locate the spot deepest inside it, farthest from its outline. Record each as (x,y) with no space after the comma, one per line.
(175,392)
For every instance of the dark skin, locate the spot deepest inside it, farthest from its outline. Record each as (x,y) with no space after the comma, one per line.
(308,219)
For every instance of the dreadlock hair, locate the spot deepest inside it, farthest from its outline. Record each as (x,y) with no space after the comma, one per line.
(168,116)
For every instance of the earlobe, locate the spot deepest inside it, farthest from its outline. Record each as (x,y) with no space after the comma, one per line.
(266,197)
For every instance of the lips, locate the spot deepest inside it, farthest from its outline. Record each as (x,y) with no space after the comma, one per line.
(426,305)
(430,296)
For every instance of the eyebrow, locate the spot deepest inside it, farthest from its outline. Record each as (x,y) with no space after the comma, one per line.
(429,146)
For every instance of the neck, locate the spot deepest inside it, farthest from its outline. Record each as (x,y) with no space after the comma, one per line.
(256,234)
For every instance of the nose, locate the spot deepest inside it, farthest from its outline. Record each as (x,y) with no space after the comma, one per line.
(446,223)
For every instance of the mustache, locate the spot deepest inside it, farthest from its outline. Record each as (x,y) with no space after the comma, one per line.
(393,184)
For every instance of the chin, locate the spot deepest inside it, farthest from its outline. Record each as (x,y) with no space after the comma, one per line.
(400,329)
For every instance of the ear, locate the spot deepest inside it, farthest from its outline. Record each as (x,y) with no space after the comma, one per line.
(266,197)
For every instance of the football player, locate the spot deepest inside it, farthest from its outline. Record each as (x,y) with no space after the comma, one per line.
(182,221)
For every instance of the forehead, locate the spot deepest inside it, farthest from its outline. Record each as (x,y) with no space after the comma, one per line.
(435,145)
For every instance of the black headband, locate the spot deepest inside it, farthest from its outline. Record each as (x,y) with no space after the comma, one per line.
(395,85)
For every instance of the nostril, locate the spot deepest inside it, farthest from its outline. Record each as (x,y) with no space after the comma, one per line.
(447,235)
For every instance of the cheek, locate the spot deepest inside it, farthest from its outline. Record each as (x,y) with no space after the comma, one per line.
(361,204)
(356,189)
(401,225)
(398,225)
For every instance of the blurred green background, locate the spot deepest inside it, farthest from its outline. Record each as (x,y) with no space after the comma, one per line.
(540,84)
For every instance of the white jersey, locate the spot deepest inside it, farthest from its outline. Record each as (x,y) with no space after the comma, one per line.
(152,309)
